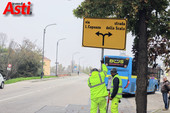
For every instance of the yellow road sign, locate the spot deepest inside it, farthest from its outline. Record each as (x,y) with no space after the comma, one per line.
(104,33)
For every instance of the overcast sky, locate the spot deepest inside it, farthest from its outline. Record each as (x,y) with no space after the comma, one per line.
(68,26)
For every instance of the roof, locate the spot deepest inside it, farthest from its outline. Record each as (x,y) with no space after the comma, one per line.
(45,58)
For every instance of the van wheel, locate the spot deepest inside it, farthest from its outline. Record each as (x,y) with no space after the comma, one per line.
(2,85)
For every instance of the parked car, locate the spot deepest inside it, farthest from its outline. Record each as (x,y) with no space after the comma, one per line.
(1,81)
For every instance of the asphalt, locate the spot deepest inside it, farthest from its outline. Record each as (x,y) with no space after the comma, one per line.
(31,97)
(44,95)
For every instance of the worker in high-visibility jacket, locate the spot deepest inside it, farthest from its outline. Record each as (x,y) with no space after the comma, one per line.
(98,89)
(115,91)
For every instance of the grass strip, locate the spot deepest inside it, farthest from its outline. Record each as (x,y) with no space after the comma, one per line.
(10,81)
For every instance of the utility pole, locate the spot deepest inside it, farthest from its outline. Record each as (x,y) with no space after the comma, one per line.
(73,59)
(57,53)
(42,73)
(79,64)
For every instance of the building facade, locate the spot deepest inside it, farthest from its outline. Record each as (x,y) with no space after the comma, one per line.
(47,63)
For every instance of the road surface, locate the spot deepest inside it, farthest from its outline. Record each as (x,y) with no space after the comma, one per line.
(62,95)
(31,96)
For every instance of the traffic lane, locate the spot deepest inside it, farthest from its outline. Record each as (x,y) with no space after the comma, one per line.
(30,87)
(24,87)
(43,91)
(19,88)
(70,91)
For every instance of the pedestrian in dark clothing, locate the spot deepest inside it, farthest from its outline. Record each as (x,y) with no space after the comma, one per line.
(165,91)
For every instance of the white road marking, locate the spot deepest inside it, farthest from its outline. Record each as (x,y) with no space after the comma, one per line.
(16,96)
(22,95)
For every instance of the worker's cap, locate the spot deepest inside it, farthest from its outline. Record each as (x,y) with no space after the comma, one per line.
(114,70)
(94,69)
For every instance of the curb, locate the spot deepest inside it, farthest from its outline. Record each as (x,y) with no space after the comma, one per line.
(156,111)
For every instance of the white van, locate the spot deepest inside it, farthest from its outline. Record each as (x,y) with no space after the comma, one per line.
(1,81)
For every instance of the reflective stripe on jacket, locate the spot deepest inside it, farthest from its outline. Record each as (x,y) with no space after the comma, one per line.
(119,93)
(97,84)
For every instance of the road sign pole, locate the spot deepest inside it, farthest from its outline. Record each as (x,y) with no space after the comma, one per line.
(7,76)
(103,40)
(101,69)
(102,55)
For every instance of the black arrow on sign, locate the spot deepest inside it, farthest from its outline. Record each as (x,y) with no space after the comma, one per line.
(98,33)
(109,34)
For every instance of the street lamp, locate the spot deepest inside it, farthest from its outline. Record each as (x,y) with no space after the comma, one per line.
(79,63)
(42,73)
(73,58)
(57,52)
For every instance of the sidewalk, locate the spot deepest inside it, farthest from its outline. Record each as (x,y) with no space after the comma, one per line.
(86,109)
(160,111)
(128,105)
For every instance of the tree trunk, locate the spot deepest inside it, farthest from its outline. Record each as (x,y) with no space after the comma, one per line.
(141,92)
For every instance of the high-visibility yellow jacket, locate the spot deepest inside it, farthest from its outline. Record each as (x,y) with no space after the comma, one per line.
(96,82)
(119,93)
